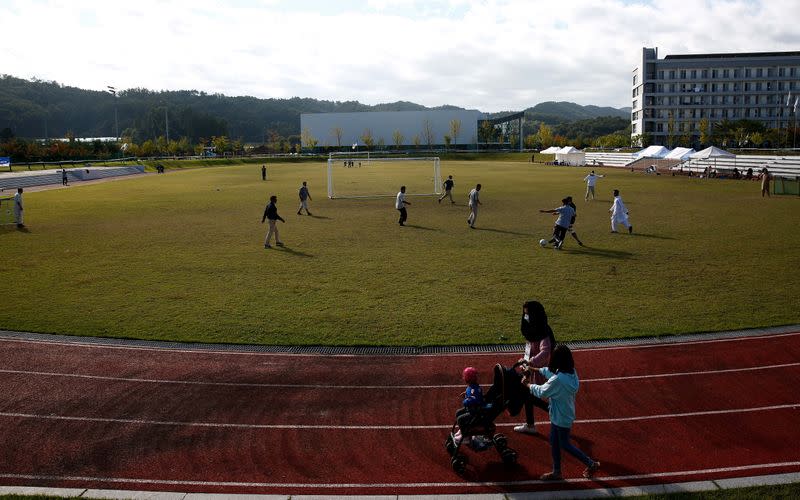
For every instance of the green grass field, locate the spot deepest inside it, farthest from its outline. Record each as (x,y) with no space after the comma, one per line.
(180,257)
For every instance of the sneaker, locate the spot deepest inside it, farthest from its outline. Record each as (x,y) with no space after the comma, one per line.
(630,229)
(559,245)
(267,245)
(440,201)
(613,231)
(279,244)
(309,213)
(298,213)
(471,226)
(589,472)
(551,476)
(526,429)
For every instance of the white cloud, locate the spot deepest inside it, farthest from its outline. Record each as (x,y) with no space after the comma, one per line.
(490,55)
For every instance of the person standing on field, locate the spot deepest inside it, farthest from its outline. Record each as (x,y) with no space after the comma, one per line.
(474,201)
(64,181)
(18,208)
(271,214)
(305,197)
(765,178)
(591,180)
(263,172)
(619,213)
(448,189)
(400,205)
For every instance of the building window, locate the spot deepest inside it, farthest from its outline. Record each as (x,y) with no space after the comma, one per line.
(736,73)
(759,72)
(634,80)
(705,73)
(660,74)
(694,73)
(781,71)
(792,71)
(713,73)
(683,74)
(672,74)
(747,72)
(726,73)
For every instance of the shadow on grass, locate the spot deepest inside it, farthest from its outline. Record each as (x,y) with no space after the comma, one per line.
(655,236)
(294,252)
(599,252)
(320,217)
(502,231)
(11,228)
(421,227)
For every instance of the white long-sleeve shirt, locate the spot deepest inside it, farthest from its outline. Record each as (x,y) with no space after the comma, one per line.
(591,179)
(618,208)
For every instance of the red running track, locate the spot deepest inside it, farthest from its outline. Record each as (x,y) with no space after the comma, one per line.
(111,417)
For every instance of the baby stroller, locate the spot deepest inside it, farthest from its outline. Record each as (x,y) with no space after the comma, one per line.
(477,427)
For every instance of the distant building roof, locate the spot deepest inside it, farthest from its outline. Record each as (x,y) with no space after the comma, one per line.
(736,55)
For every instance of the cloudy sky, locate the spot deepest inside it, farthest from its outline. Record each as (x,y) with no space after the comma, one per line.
(491,55)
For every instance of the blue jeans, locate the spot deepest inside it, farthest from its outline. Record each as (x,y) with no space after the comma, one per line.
(559,438)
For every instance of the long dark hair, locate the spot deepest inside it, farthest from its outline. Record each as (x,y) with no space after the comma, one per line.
(561,360)
(536,328)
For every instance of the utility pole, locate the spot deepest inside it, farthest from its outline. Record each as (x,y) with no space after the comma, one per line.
(113,91)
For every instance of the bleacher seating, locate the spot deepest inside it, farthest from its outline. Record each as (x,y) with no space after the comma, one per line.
(785,166)
(610,159)
(10,181)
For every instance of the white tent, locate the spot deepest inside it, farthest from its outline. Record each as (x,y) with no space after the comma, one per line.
(550,151)
(570,156)
(681,154)
(652,152)
(711,153)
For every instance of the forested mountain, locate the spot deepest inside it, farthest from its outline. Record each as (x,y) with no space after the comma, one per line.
(552,113)
(41,109)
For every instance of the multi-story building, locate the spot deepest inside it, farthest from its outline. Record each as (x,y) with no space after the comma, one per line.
(672,95)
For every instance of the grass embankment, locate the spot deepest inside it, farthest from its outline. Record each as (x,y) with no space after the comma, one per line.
(180,257)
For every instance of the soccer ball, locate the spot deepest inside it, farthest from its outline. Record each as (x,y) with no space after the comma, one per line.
(543,242)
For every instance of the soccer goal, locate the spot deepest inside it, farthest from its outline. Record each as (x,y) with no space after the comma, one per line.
(7,211)
(364,177)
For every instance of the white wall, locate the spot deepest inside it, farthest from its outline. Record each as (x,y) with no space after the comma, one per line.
(384,123)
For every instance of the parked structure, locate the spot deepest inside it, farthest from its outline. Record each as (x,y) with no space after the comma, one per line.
(672,95)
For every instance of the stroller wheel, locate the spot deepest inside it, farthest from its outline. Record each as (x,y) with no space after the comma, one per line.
(500,441)
(509,456)
(459,463)
(450,445)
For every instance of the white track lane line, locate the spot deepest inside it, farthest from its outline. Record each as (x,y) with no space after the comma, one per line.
(366,387)
(529,482)
(225,425)
(366,356)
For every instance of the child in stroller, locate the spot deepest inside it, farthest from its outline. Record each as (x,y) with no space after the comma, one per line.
(475,421)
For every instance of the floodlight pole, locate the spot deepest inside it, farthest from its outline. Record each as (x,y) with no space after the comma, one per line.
(113,92)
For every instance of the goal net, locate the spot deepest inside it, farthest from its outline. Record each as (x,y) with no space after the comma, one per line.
(360,177)
(7,211)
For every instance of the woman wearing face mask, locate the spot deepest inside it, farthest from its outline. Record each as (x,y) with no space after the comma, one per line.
(539,344)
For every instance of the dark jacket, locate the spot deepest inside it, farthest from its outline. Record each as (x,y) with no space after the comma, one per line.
(271,213)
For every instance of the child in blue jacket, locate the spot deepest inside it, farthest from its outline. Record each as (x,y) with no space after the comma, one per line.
(473,399)
(560,388)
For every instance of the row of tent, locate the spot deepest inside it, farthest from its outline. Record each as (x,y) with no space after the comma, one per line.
(569,155)
(682,154)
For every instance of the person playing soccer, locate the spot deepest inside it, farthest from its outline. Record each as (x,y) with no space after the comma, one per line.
(271,213)
(591,180)
(474,201)
(400,204)
(560,389)
(305,197)
(565,214)
(448,189)
(619,213)
(570,229)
